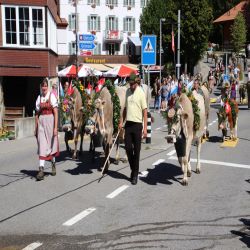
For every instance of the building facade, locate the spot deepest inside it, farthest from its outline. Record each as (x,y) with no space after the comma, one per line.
(28,48)
(113,22)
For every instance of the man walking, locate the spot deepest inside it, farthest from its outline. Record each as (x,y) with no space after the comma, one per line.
(135,113)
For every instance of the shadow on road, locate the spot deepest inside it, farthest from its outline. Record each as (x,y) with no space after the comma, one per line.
(162,173)
(244,232)
(215,139)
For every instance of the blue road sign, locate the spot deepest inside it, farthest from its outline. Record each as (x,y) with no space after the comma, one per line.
(86,46)
(86,37)
(148,50)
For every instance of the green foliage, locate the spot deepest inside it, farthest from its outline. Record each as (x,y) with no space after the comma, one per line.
(196,111)
(238,33)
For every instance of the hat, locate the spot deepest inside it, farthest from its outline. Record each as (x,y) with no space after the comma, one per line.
(132,78)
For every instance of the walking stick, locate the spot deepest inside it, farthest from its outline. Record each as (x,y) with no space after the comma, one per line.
(103,168)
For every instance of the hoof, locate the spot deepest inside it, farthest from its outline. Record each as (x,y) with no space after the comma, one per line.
(198,171)
(116,162)
(124,160)
(189,173)
(184,183)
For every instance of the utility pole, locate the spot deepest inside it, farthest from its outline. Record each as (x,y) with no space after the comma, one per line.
(76,31)
(178,65)
(161,20)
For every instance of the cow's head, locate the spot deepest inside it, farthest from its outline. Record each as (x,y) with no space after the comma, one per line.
(176,120)
(97,121)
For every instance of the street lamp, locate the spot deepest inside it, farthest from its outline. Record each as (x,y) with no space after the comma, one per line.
(161,20)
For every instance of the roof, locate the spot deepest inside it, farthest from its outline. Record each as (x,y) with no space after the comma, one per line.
(135,40)
(232,13)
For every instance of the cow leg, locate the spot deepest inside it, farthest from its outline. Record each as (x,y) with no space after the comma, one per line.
(74,156)
(188,154)
(198,166)
(184,167)
(66,142)
(117,155)
(107,150)
(82,136)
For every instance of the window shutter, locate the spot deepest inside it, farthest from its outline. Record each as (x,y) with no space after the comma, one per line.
(133,24)
(89,20)
(124,23)
(98,23)
(70,22)
(116,24)
(107,23)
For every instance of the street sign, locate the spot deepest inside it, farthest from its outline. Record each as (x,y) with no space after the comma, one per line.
(86,45)
(86,37)
(148,50)
(85,53)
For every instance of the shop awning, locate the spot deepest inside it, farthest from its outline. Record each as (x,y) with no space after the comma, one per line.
(100,67)
(135,40)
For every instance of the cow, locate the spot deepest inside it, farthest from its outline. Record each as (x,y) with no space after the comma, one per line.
(226,119)
(181,131)
(102,122)
(75,127)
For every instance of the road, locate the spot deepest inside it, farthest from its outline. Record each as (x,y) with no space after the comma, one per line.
(77,210)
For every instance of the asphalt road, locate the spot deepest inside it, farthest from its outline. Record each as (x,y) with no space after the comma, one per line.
(77,210)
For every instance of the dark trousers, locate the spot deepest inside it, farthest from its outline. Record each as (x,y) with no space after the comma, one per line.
(133,134)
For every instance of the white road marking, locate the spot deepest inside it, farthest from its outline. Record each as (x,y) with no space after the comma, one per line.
(165,125)
(229,164)
(143,174)
(79,216)
(117,191)
(171,153)
(33,245)
(210,124)
(158,162)
(157,128)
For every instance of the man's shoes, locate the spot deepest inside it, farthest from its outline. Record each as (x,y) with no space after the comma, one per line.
(40,175)
(53,166)
(134,180)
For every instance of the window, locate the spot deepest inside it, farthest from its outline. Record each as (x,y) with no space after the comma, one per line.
(129,24)
(97,50)
(94,23)
(129,3)
(112,2)
(72,48)
(23,26)
(37,22)
(144,3)
(111,23)
(96,2)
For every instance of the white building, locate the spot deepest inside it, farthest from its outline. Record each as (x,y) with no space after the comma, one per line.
(113,22)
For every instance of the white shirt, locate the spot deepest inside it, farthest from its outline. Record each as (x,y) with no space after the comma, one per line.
(53,100)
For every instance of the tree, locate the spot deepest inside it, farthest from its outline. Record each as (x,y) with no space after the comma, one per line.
(196,23)
(238,33)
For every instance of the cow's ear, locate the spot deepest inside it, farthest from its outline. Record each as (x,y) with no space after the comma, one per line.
(103,102)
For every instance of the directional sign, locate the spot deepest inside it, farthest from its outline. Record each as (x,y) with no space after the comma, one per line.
(148,50)
(86,46)
(85,53)
(87,37)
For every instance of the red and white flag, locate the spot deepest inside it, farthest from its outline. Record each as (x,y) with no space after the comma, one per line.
(173,46)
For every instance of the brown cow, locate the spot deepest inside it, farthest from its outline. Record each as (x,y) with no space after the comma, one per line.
(76,127)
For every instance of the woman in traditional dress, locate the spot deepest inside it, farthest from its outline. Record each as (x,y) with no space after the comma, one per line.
(46,129)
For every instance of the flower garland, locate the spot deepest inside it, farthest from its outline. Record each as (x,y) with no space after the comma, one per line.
(116,104)
(64,106)
(196,110)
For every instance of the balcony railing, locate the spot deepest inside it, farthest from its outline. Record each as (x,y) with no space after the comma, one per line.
(113,35)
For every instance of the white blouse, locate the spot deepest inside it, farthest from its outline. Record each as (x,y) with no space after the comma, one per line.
(53,100)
